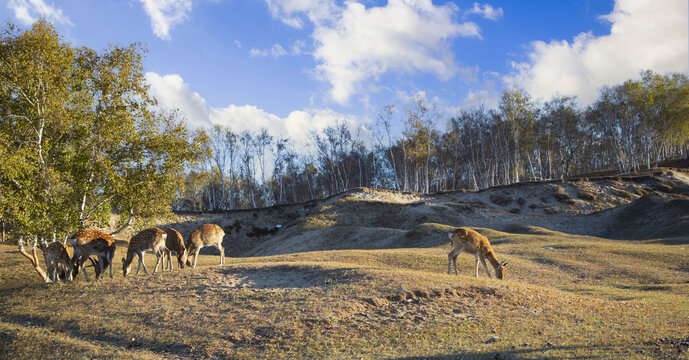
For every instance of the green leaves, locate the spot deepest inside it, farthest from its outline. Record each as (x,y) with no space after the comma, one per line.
(80,137)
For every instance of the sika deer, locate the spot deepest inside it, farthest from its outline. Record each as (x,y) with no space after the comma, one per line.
(92,242)
(149,239)
(55,255)
(467,240)
(175,242)
(206,235)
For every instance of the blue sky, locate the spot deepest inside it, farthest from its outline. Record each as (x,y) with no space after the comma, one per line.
(294,66)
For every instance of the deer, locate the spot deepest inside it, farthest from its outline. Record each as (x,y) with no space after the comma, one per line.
(55,255)
(469,241)
(175,242)
(92,242)
(205,235)
(149,239)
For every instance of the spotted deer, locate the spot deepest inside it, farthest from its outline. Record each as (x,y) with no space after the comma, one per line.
(175,242)
(55,255)
(206,235)
(469,241)
(93,242)
(149,239)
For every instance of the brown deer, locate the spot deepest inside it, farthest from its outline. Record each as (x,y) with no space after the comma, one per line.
(206,235)
(55,254)
(175,242)
(93,242)
(149,239)
(469,241)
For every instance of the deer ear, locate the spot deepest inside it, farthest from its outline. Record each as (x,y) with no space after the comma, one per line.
(504,264)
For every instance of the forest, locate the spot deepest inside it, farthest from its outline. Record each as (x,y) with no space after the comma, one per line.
(81,138)
(629,127)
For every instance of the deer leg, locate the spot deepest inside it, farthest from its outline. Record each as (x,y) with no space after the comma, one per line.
(196,256)
(82,263)
(452,259)
(483,261)
(49,270)
(476,267)
(169,259)
(101,265)
(142,263)
(222,253)
(111,254)
(159,258)
(69,272)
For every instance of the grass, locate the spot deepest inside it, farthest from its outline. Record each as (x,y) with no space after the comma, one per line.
(565,297)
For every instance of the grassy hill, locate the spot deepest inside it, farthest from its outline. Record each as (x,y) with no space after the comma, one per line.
(598,273)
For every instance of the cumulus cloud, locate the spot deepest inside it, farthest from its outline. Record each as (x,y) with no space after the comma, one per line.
(173,93)
(644,34)
(28,11)
(485,10)
(165,14)
(355,44)
(405,35)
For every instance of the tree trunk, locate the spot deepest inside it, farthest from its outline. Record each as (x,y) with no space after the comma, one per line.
(34,261)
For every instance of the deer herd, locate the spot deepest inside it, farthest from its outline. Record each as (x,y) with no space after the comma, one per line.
(162,243)
(90,244)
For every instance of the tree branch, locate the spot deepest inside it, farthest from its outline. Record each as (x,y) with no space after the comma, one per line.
(34,261)
(129,221)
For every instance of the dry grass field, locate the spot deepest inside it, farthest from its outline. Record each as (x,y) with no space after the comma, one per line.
(564,296)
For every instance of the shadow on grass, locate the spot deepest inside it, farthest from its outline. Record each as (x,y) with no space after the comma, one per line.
(287,276)
(531,353)
(72,328)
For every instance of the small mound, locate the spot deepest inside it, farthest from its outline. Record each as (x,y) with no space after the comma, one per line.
(426,229)
(284,277)
(649,217)
(530,230)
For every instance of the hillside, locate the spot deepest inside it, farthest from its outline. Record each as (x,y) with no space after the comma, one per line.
(646,206)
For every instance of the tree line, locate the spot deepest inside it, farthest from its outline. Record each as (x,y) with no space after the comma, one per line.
(629,126)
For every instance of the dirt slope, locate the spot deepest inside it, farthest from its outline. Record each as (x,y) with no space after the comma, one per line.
(651,205)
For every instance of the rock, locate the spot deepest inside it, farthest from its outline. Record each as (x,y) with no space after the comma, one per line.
(492,339)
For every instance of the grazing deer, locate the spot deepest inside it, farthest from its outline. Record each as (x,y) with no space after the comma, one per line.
(92,242)
(55,255)
(206,235)
(175,242)
(149,239)
(469,241)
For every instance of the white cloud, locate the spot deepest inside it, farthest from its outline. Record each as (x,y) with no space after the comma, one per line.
(487,11)
(28,11)
(405,35)
(644,34)
(292,12)
(173,93)
(277,50)
(165,14)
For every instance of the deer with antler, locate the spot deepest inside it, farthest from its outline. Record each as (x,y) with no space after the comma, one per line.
(469,241)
